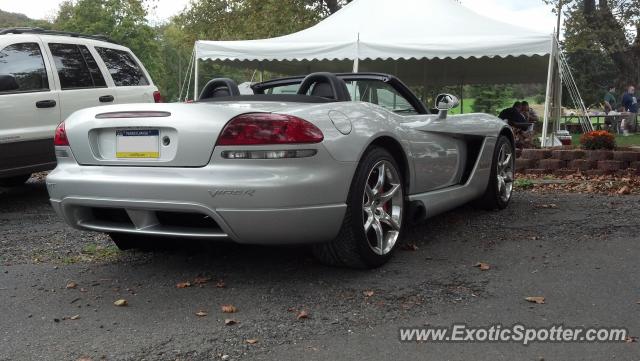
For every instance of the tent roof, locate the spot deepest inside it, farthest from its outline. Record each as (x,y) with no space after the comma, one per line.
(433,41)
(381,29)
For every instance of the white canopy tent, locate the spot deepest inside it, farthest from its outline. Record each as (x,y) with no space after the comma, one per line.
(423,42)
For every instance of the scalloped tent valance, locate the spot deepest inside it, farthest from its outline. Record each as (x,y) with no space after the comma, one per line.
(431,37)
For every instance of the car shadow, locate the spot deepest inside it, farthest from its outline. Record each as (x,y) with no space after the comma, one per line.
(25,195)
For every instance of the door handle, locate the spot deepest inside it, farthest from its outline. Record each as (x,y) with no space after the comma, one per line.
(106,99)
(46,104)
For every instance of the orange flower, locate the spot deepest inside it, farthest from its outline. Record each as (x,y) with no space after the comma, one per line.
(599,139)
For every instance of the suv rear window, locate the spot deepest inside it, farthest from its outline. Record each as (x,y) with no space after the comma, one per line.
(124,69)
(24,61)
(76,67)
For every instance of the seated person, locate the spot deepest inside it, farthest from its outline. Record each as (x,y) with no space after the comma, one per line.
(514,117)
(529,114)
(522,128)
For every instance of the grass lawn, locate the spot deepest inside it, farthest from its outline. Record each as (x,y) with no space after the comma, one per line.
(621,141)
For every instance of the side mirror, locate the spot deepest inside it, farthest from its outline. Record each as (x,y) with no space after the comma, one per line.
(446,102)
(8,83)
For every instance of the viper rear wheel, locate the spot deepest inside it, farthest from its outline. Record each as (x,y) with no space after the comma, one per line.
(373,224)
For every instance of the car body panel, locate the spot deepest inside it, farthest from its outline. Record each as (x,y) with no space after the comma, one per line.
(447,160)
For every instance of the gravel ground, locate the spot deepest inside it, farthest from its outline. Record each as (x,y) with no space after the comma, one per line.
(579,251)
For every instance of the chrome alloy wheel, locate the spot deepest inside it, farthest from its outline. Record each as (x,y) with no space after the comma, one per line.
(383,207)
(505,172)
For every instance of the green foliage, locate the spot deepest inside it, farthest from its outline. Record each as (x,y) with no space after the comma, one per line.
(602,43)
(239,20)
(124,21)
(490,98)
(10,20)
(523,183)
(246,19)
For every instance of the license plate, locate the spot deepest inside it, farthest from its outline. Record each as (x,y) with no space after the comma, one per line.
(137,143)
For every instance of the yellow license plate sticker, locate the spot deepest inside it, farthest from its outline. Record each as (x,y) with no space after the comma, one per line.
(137,143)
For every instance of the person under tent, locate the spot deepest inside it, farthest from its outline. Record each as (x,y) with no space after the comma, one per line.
(521,127)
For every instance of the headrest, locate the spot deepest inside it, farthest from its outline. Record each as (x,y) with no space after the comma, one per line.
(325,85)
(219,88)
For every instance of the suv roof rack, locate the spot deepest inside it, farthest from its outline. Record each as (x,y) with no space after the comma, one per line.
(31,30)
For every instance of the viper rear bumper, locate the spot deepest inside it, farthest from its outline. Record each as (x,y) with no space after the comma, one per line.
(189,220)
(273,202)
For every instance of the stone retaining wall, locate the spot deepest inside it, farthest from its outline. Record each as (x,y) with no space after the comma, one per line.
(569,161)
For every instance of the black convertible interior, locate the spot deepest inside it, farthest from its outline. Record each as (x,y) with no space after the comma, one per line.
(381,89)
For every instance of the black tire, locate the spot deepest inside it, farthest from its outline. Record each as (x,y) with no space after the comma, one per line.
(351,248)
(493,198)
(15,180)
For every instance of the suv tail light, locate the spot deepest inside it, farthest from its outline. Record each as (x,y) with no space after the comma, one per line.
(157,97)
(268,128)
(60,138)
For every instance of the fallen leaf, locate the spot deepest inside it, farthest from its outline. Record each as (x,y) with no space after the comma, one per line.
(84,359)
(483,266)
(230,322)
(201,280)
(121,303)
(631,339)
(251,341)
(183,284)
(229,309)
(304,314)
(410,247)
(71,285)
(368,293)
(201,313)
(221,284)
(538,300)
(75,317)
(624,190)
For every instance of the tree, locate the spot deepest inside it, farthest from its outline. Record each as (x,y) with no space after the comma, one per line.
(124,21)
(240,20)
(490,98)
(606,27)
(331,5)
(10,20)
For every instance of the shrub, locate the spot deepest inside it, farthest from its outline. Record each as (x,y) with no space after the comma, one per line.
(599,139)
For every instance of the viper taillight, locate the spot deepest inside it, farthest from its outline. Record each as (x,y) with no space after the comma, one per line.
(157,97)
(268,128)
(60,138)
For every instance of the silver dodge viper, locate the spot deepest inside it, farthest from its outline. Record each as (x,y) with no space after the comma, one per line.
(342,162)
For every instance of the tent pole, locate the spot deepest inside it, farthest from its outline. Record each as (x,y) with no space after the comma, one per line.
(557,102)
(461,98)
(552,59)
(195,81)
(356,61)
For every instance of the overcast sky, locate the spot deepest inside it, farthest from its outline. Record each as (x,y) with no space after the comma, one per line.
(527,13)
